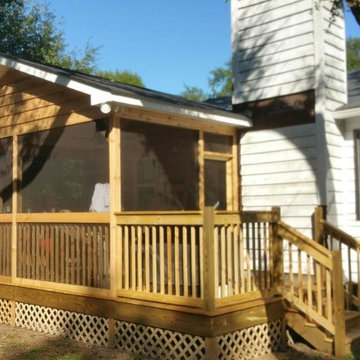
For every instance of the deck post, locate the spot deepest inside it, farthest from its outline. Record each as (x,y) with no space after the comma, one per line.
(319,215)
(115,201)
(339,312)
(211,349)
(277,251)
(209,258)
(15,177)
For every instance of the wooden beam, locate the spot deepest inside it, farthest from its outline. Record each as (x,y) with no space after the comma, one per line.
(15,177)
(155,117)
(162,316)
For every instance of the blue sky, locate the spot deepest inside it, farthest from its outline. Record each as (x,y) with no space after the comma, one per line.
(169,43)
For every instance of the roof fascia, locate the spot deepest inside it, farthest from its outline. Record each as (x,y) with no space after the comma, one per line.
(98,96)
(346,113)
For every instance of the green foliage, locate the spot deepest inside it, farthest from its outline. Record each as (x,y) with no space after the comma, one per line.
(126,77)
(194,93)
(353,54)
(29,29)
(220,80)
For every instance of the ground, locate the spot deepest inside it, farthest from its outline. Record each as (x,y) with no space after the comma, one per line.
(22,344)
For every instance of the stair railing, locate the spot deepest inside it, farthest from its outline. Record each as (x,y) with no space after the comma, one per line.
(335,239)
(311,279)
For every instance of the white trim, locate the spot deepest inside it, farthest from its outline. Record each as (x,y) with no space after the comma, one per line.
(98,97)
(346,113)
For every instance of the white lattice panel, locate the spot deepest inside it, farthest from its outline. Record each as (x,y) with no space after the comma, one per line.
(158,343)
(250,343)
(5,311)
(77,326)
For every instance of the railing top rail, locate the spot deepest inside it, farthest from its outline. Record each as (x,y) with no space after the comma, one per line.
(5,218)
(340,235)
(320,253)
(64,218)
(159,218)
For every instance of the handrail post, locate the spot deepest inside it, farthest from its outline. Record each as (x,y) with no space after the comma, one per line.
(277,251)
(339,312)
(319,215)
(209,258)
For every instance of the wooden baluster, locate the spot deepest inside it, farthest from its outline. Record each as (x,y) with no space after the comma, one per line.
(223,260)
(193,261)
(89,257)
(328,294)
(291,272)
(139,258)
(259,248)
(301,297)
(242,262)
(339,312)
(248,260)
(319,284)
(126,258)
(309,282)
(83,255)
(62,254)
(201,277)
(229,264)
(57,254)
(162,260)
(147,259)
(101,256)
(107,257)
(265,257)
(177,260)
(133,258)
(236,258)
(350,283)
(154,259)
(253,238)
(169,260)
(52,253)
(185,261)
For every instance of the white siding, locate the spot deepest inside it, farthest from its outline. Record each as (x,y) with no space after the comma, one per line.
(273,48)
(278,168)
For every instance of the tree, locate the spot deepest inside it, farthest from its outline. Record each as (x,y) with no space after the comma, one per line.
(353,54)
(126,77)
(220,80)
(194,93)
(29,29)
(354,6)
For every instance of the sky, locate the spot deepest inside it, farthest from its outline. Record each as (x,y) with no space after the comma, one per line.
(169,43)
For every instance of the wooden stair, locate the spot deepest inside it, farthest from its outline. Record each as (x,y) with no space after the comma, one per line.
(320,338)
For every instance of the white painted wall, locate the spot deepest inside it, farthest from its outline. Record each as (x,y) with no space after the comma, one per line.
(273,48)
(278,168)
(281,47)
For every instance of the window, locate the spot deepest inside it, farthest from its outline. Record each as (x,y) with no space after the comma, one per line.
(60,168)
(158,167)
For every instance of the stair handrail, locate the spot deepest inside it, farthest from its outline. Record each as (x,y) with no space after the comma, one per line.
(334,238)
(323,265)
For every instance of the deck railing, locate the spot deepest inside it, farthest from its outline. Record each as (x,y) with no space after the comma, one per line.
(205,260)
(208,259)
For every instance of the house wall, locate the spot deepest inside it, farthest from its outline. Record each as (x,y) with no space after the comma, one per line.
(284,48)
(278,168)
(30,104)
(273,48)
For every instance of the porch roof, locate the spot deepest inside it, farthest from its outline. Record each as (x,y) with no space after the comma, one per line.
(114,95)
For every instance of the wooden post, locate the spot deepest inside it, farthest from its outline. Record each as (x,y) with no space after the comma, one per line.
(209,258)
(211,349)
(319,215)
(15,178)
(277,251)
(115,201)
(111,333)
(13,313)
(338,301)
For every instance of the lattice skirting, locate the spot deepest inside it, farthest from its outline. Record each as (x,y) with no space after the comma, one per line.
(140,339)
